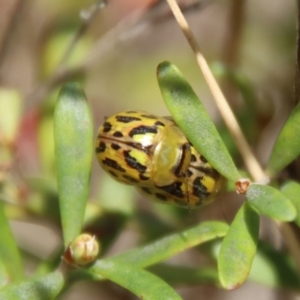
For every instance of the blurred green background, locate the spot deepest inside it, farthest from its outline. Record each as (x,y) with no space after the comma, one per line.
(116,60)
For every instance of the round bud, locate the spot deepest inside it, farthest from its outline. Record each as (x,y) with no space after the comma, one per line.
(82,250)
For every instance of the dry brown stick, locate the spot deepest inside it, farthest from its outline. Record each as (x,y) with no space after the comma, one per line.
(231,47)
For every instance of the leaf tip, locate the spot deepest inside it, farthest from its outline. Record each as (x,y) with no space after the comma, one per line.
(163,67)
(72,90)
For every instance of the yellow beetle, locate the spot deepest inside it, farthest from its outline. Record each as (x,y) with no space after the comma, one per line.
(153,154)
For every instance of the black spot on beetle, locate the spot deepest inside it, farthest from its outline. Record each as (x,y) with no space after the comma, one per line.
(203,159)
(106,127)
(142,130)
(133,163)
(185,147)
(130,179)
(115,146)
(113,174)
(149,116)
(161,197)
(209,172)
(126,119)
(189,173)
(113,164)
(174,189)
(101,148)
(199,189)
(146,190)
(158,123)
(143,177)
(193,158)
(118,134)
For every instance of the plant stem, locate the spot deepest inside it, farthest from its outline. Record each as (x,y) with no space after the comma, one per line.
(232,41)
(87,17)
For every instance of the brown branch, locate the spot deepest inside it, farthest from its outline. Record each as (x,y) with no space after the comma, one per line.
(87,17)
(231,47)
(8,23)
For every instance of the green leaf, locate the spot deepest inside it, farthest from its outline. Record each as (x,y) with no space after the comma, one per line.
(73,132)
(45,287)
(287,145)
(291,190)
(270,202)
(238,248)
(9,253)
(173,244)
(192,118)
(176,275)
(169,246)
(140,282)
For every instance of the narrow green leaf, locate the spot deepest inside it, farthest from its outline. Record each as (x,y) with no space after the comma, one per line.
(287,145)
(45,287)
(292,191)
(238,248)
(9,253)
(270,202)
(73,132)
(140,282)
(176,275)
(173,244)
(191,116)
(169,246)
